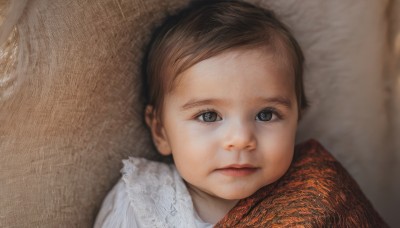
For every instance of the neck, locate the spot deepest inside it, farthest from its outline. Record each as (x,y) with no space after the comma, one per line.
(210,209)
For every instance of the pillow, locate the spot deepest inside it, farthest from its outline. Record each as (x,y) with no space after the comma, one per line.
(70,110)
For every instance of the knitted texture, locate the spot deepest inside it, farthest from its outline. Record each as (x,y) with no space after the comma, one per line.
(315,192)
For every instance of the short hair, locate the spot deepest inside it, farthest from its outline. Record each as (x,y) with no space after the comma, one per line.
(207,28)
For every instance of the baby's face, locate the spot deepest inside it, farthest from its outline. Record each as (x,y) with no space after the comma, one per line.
(230,123)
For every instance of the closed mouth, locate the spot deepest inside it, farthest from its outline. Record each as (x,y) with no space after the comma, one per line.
(239,166)
(237,170)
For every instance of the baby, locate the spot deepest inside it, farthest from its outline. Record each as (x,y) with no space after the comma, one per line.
(225,94)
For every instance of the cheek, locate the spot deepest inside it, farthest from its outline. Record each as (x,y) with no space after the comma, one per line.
(193,146)
(278,145)
(278,134)
(278,152)
(194,136)
(276,157)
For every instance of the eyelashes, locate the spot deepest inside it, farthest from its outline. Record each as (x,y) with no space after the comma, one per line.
(209,116)
(266,115)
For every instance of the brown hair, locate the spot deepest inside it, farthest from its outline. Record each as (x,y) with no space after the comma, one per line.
(208,28)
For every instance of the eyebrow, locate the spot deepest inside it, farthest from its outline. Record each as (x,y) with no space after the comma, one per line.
(196,103)
(284,101)
(276,100)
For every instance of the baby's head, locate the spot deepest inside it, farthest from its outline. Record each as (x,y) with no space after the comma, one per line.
(209,28)
(225,92)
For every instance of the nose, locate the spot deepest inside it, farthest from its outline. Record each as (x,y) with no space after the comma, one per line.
(240,136)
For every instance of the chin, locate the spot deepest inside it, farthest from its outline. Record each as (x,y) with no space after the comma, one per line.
(236,195)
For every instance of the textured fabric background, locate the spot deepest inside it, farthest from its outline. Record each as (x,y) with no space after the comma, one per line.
(70,107)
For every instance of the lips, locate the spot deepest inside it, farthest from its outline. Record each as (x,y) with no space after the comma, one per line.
(237,170)
(238,166)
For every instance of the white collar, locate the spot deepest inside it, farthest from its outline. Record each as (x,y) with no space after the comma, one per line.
(158,195)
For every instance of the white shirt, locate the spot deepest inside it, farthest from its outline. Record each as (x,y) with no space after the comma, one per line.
(149,194)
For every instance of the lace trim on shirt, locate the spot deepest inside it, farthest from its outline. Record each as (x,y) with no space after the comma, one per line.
(157,194)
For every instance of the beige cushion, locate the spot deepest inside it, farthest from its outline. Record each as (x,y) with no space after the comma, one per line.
(73,113)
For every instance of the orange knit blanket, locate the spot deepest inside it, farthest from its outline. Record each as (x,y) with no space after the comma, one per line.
(316,191)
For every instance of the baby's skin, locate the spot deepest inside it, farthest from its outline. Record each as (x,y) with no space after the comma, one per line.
(230,125)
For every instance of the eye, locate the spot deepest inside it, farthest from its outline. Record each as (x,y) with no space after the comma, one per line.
(209,117)
(265,115)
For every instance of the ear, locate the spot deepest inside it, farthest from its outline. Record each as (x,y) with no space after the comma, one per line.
(158,134)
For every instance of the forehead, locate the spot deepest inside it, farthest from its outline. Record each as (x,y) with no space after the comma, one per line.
(240,74)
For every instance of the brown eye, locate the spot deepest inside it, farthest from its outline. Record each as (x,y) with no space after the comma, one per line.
(264,115)
(209,117)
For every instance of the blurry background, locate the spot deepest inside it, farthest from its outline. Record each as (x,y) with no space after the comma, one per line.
(70,107)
